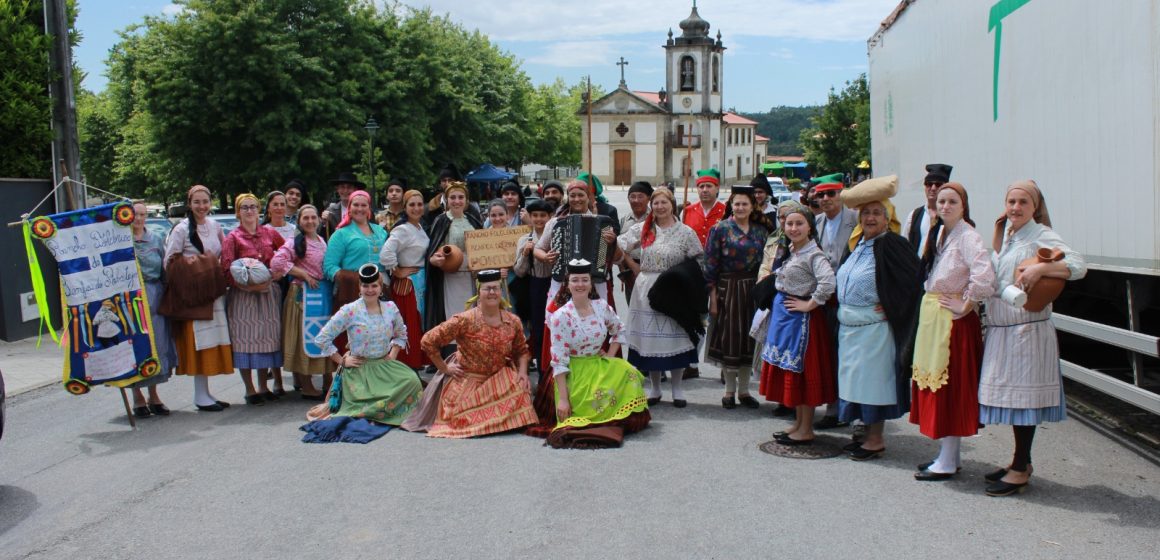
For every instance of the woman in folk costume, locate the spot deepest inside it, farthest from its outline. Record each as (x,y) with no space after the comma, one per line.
(403,258)
(356,241)
(1020,384)
(483,387)
(448,290)
(948,347)
(878,293)
(775,253)
(300,258)
(254,313)
(732,258)
(798,368)
(203,346)
(374,384)
(275,215)
(149,248)
(599,397)
(656,342)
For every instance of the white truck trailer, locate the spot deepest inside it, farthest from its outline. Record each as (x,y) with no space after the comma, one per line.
(1066,92)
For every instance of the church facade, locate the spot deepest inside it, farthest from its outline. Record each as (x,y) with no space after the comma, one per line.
(667,135)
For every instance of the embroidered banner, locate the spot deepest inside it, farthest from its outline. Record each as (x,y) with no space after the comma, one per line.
(108,331)
(316,303)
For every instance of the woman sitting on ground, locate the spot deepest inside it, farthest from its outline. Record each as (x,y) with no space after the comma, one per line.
(483,387)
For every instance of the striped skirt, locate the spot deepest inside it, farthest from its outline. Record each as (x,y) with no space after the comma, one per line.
(480,404)
(255,321)
(729,342)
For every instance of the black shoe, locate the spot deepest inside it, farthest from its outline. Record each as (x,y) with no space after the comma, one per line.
(999,488)
(159,409)
(691,373)
(215,407)
(279,392)
(863,454)
(316,398)
(142,412)
(653,401)
(269,396)
(927,475)
(854,446)
(788,441)
(995,476)
(829,423)
(222,404)
(680,403)
(748,401)
(257,399)
(728,403)
(782,410)
(927,465)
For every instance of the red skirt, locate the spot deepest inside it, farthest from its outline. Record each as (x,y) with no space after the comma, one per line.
(817,384)
(953,410)
(413,356)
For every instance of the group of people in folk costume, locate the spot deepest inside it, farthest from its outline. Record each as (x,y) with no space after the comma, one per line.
(823,297)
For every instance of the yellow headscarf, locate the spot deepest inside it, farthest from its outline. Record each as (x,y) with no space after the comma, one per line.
(241,197)
(878,189)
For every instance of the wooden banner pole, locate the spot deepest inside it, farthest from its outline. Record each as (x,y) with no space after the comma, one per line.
(128,410)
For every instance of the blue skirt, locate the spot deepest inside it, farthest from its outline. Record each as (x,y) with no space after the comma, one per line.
(869,413)
(1024,416)
(662,363)
(257,360)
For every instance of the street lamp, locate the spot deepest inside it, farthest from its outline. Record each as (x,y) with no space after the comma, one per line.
(372,127)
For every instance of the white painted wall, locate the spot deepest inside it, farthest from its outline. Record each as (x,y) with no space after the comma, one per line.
(645,160)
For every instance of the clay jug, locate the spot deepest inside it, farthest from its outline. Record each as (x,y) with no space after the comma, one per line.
(452,258)
(1046,289)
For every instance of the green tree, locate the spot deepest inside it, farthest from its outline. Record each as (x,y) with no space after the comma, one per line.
(840,137)
(26,109)
(783,125)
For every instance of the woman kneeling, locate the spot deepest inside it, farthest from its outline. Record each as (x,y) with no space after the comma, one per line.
(599,396)
(373,384)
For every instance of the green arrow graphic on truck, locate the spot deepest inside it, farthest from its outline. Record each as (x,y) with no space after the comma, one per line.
(1000,10)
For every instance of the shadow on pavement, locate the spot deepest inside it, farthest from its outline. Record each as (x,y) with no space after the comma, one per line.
(16,504)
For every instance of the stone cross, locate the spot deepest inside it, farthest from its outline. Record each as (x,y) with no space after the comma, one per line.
(622,64)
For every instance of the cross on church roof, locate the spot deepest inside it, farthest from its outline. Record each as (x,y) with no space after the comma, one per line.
(622,64)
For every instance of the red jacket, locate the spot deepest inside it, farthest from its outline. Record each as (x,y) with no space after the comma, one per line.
(695,218)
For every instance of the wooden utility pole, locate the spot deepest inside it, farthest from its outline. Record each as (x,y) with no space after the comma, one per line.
(588,103)
(65,144)
(688,173)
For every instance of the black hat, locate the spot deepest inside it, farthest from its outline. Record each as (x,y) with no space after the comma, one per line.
(579,266)
(450,172)
(401,181)
(368,273)
(350,179)
(539,205)
(937,173)
(743,189)
(759,182)
(490,275)
(641,187)
(553,184)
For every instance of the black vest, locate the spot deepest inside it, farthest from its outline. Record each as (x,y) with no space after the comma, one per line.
(915,233)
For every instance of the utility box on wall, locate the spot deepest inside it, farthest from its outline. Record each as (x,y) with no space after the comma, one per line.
(19,318)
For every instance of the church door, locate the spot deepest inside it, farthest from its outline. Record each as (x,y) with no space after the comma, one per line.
(622,167)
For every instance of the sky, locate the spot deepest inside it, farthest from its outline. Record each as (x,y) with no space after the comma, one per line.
(778,52)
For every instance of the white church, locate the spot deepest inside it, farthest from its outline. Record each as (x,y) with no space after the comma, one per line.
(661,136)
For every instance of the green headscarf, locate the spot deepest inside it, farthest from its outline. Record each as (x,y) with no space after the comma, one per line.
(596,185)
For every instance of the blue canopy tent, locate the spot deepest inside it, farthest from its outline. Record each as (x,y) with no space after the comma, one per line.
(487,178)
(799,170)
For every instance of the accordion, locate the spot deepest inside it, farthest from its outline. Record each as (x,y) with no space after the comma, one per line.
(577,236)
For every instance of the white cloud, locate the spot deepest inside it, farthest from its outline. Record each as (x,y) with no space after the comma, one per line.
(172,10)
(575,54)
(542,20)
(782,53)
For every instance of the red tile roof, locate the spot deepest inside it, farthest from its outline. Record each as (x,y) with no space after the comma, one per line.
(650,96)
(761,138)
(733,118)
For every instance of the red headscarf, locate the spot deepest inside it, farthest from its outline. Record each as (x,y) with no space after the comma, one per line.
(346,217)
(648,233)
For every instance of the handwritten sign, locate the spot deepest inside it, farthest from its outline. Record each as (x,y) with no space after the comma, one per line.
(493,248)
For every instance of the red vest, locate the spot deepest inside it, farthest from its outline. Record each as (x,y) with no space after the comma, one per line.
(695,218)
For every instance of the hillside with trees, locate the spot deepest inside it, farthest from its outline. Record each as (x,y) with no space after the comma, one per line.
(783,126)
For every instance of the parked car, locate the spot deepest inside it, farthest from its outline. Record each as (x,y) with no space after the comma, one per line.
(229,223)
(159,225)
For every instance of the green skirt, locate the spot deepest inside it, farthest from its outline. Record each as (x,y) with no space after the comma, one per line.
(384,391)
(602,390)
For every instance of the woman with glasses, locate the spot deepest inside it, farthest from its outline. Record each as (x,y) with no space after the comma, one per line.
(255,314)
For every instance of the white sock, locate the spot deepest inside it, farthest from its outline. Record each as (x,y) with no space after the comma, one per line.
(201,394)
(675,380)
(743,374)
(654,378)
(730,375)
(948,455)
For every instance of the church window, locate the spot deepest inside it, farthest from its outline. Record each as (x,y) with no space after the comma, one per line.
(621,129)
(688,74)
(716,74)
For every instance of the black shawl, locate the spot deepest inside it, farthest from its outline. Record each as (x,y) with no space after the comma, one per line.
(899,292)
(679,293)
(433,313)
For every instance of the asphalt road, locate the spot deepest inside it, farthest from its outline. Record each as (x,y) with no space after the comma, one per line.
(77,482)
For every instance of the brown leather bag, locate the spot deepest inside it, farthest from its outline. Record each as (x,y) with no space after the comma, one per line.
(1046,290)
(191,285)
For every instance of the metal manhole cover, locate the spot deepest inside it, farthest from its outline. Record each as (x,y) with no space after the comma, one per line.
(822,448)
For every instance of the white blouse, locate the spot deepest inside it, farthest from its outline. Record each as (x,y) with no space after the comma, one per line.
(573,335)
(406,246)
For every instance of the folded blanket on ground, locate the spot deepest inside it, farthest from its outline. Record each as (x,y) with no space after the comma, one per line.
(343,428)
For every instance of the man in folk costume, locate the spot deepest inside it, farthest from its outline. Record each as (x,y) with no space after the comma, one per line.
(702,216)
(920,221)
(834,226)
(345,184)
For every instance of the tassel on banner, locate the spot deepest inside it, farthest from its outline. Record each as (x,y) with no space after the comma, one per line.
(38,287)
